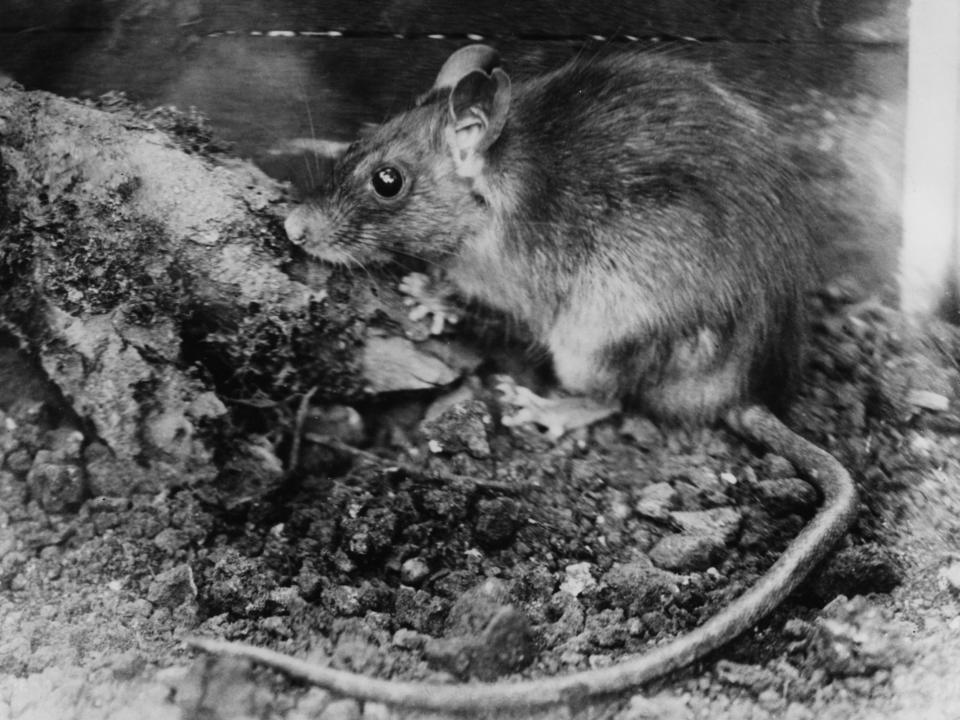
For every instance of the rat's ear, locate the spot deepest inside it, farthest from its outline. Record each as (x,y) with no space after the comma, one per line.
(478,104)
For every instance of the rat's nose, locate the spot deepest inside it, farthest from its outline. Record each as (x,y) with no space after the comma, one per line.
(296,226)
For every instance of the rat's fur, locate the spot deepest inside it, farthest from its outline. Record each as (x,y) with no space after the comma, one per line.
(635,215)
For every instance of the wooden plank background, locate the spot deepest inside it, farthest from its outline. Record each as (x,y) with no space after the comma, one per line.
(263,75)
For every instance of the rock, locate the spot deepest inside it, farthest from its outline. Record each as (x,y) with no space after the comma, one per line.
(637,586)
(644,433)
(685,553)
(858,570)
(659,707)
(856,638)
(775,467)
(721,524)
(13,491)
(950,577)
(486,637)
(391,364)
(579,579)
(310,704)
(787,495)
(460,428)
(657,500)
(504,646)
(498,520)
(170,540)
(57,486)
(414,571)
(173,587)
(340,422)
(370,534)
(345,709)
(571,620)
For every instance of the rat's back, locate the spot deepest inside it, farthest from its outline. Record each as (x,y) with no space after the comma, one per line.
(670,236)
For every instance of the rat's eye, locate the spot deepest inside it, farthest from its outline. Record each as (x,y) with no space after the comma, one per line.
(387,181)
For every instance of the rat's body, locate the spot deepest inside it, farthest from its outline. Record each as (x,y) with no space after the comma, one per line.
(638,219)
(634,215)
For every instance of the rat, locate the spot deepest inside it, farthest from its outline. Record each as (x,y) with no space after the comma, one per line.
(639,219)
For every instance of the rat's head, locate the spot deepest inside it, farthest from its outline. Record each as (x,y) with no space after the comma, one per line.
(415,187)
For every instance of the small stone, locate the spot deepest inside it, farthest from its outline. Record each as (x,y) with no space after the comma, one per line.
(343,599)
(504,646)
(579,579)
(341,710)
(13,491)
(8,541)
(19,462)
(461,428)
(659,707)
(657,500)
(408,639)
(950,577)
(685,553)
(721,523)
(105,475)
(498,521)
(858,570)
(644,433)
(927,400)
(798,711)
(776,467)
(310,704)
(638,586)
(786,495)
(414,571)
(376,711)
(57,487)
(170,540)
(394,363)
(172,587)
(206,405)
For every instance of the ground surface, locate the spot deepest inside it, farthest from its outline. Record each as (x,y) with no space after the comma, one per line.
(601,544)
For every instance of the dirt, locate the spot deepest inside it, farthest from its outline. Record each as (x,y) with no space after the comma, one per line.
(570,554)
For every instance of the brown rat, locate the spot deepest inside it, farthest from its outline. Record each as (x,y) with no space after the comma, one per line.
(633,214)
(639,219)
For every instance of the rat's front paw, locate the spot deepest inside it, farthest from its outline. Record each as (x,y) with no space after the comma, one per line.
(429,301)
(557,415)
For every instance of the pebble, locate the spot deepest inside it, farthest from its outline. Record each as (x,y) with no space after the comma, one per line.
(461,428)
(310,704)
(414,571)
(498,520)
(504,646)
(659,707)
(58,487)
(775,467)
(635,586)
(950,577)
(376,711)
(486,637)
(657,500)
(172,587)
(720,524)
(686,553)
(786,495)
(578,579)
(644,433)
